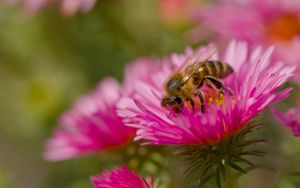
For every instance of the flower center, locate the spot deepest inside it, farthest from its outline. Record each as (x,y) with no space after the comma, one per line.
(212,97)
(284,28)
(215,97)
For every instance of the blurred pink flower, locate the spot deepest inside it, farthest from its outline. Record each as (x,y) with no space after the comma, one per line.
(136,72)
(31,6)
(290,120)
(265,22)
(67,7)
(172,11)
(70,7)
(91,125)
(254,84)
(121,178)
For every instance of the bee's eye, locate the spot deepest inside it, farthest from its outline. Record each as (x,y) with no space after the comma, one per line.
(178,100)
(173,84)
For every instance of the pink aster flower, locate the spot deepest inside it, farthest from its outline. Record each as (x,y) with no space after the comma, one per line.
(135,72)
(172,11)
(67,7)
(290,120)
(31,6)
(70,7)
(267,22)
(253,83)
(91,125)
(121,178)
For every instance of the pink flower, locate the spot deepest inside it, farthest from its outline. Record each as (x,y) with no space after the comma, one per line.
(136,72)
(172,11)
(91,125)
(71,7)
(31,6)
(68,7)
(121,178)
(254,84)
(290,120)
(268,22)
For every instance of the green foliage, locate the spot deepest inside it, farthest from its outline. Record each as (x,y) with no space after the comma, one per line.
(216,159)
(5,179)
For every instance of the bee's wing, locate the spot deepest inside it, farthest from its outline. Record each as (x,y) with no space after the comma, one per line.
(190,70)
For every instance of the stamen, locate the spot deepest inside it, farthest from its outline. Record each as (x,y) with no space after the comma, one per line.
(213,96)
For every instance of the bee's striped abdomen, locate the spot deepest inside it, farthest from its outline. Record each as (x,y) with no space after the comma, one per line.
(211,68)
(218,69)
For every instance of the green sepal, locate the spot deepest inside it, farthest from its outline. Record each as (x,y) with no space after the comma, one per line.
(218,179)
(214,159)
(237,167)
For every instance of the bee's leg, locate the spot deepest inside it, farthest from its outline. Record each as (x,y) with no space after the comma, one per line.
(218,85)
(177,108)
(198,82)
(230,92)
(201,99)
(192,102)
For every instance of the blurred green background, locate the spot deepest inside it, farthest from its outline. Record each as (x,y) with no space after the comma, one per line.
(47,60)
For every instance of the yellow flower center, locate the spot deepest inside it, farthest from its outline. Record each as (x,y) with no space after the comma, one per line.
(213,96)
(284,28)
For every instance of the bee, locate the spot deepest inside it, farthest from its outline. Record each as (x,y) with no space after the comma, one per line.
(184,85)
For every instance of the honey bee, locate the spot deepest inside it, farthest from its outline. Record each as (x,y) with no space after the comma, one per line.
(185,84)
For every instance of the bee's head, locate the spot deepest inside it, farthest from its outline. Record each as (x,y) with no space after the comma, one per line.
(174,83)
(174,101)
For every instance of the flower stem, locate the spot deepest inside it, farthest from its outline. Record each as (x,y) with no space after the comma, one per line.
(231,179)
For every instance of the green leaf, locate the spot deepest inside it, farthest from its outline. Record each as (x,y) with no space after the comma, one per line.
(253,141)
(242,160)
(218,179)
(205,169)
(205,179)
(210,159)
(254,153)
(236,167)
(223,171)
